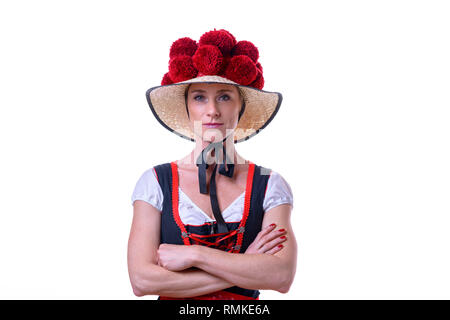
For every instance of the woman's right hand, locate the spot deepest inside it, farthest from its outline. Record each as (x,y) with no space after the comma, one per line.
(268,241)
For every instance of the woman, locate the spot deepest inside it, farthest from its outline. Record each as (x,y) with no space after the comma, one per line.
(182,245)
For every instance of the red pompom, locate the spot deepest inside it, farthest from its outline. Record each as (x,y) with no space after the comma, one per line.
(208,59)
(183,47)
(221,39)
(246,48)
(259,66)
(259,81)
(232,37)
(226,61)
(241,69)
(181,68)
(166,79)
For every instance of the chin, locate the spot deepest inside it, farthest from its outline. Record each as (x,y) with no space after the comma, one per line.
(213,135)
(211,140)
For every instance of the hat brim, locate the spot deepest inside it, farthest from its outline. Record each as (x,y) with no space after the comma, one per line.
(167,103)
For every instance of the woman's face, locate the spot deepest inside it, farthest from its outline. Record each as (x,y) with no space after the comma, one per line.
(213,109)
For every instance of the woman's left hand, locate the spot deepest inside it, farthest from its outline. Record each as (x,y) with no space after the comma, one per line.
(175,257)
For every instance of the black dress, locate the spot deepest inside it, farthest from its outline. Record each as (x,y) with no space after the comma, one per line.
(237,240)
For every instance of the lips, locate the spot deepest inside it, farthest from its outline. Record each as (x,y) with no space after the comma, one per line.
(213,124)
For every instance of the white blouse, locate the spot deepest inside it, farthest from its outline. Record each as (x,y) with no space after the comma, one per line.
(148,189)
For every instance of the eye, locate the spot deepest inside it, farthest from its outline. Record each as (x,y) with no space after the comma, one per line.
(198,97)
(224,97)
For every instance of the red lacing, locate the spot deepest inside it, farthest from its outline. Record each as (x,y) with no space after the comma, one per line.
(224,241)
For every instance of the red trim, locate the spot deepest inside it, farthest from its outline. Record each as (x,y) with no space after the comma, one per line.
(176,214)
(225,234)
(218,295)
(248,193)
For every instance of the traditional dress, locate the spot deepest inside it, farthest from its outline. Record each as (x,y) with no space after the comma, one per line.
(183,223)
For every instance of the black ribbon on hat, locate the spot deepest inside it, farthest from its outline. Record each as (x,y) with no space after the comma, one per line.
(226,168)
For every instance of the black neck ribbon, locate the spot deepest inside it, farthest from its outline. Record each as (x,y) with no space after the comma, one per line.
(226,168)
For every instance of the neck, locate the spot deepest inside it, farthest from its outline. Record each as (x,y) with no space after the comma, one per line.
(191,159)
(211,158)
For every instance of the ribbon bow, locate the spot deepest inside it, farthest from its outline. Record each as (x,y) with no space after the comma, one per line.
(226,169)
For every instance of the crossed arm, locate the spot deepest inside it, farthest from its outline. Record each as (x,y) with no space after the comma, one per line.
(188,271)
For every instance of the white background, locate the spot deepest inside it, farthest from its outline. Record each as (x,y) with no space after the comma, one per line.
(362,137)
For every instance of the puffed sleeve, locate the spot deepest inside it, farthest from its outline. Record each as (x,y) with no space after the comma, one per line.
(278,192)
(148,189)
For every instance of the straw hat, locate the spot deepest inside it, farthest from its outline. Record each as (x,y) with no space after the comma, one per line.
(216,58)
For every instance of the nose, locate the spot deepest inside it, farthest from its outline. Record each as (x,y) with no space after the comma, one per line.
(212,110)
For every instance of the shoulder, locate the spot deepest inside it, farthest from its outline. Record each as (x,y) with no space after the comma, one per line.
(147,188)
(155,174)
(276,179)
(147,176)
(278,191)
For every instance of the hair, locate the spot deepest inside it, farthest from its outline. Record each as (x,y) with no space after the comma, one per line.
(241,96)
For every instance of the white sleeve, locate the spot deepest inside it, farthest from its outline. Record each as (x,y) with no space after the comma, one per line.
(148,189)
(278,192)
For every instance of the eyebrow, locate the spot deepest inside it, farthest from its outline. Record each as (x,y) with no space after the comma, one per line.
(222,90)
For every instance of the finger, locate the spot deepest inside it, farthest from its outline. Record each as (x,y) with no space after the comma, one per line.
(275,249)
(273,235)
(266,238)
(264,232)
(272,244)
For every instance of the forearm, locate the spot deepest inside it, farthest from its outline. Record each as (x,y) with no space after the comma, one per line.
(155,280)
(251,271)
